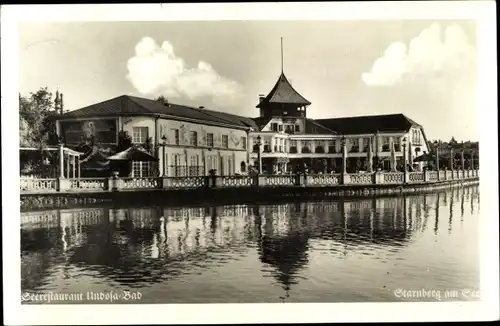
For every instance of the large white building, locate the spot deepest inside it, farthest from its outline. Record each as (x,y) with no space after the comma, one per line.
(287,138)
(187,141)
(192,141)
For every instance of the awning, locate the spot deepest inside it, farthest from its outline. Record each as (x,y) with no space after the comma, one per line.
(427,157)
(134,153)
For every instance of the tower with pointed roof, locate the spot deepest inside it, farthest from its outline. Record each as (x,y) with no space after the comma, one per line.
(283,100)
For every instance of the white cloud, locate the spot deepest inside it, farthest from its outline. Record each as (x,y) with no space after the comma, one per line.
(427,54)
(156,70)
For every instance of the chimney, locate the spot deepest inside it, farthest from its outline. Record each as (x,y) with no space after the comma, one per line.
(61,103)
(56,103)
(261,97)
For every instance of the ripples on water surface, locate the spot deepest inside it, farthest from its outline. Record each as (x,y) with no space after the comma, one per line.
(329,251)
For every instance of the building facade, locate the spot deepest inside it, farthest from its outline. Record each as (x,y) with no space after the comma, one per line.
(186,141)
(192,141)
(286,140)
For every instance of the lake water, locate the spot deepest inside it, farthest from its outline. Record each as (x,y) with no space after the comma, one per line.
(403,248)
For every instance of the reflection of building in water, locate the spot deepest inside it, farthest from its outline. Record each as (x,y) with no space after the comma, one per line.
(153,243)
(40,245)
(283,244)
(193,229)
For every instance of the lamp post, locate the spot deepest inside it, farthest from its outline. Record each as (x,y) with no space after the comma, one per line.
(452,159)
(472,160)
(462,160)
(403,143)
(405,168)
(164,166)
(61,156)
(259,158)
(344,155)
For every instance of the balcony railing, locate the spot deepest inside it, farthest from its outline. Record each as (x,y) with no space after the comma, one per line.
(361,178)
(393,177)
(38,185)
(89,184)
(416,176)
(141,183)
(237,181)
(30,186)
(280,180)
(323,179)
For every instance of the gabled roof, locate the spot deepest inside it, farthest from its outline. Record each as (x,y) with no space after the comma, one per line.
(369,124)
(126,105)
(283,93)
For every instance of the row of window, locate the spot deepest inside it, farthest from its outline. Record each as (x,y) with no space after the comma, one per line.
(288,128)
(353,142)
(415,137)
(140,135)
(178,167)
(307,149)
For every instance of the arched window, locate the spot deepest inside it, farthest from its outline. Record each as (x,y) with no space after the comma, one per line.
(243,166)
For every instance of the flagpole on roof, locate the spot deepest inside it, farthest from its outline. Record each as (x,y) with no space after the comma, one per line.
(282,54)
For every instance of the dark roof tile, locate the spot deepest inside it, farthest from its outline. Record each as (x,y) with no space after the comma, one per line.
(131,105)
(283,93)
(369,124)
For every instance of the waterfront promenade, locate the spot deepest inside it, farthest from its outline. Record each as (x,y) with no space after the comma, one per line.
(82,185)
(43,186)
(59,192)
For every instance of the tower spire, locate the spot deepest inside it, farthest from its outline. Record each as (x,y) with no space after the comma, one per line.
(281,54)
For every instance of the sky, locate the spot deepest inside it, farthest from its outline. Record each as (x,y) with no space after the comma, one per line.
(425,69)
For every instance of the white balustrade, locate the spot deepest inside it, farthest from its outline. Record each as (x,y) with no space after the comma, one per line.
(31,185)
(237,181)
(361,178)
(393,177)
(38,185)
(187,182)
(280,180)
(323,179)
(416,177)
(432,175)
(140,183)
(88,184)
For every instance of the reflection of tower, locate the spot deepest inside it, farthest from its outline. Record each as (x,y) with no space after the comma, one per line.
(285,251)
